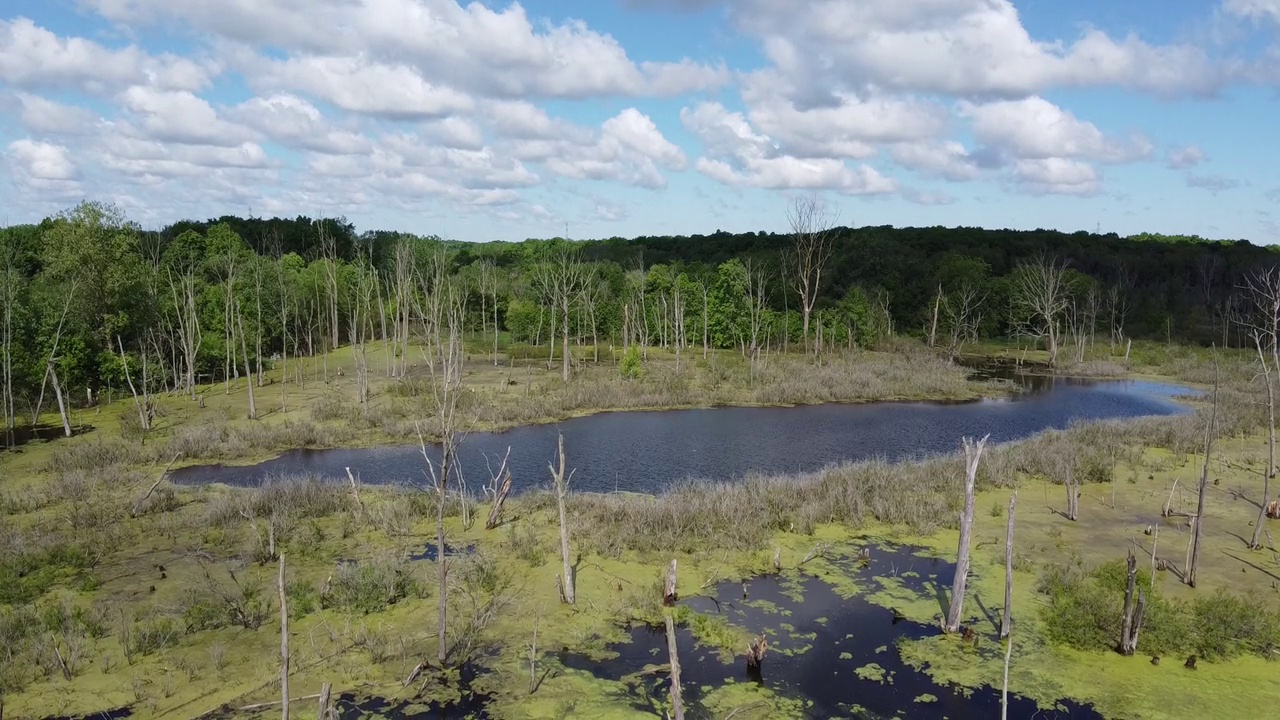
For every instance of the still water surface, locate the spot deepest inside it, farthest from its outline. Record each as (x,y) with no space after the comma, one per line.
(647,451)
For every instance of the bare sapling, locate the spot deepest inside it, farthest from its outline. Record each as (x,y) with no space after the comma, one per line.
(1197,529)
(499,488)
(560,486)
(284,641)
(1006,621)
(143,404)
(972,454)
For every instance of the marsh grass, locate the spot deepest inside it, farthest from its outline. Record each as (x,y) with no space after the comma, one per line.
(370,585)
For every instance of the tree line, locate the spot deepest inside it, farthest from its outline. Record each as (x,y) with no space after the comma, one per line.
(92,302)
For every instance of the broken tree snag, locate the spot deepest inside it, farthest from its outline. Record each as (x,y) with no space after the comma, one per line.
(326,694)
(819,550)
(669,587)
(501,489)
(1006,622)
(284,643)
(677,702)
(1132,617)
(1273,509)
(1073,495)
(777,559)
(355,492)
(560,484)
(972,454)
(1197,531)
(755,652)
(1168,504)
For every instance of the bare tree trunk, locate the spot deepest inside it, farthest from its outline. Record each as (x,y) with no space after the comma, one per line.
(1193,562)
(144,412)
(669,586)
(1006,622)
(1256,542)
(1131,622)
(501,488)
(972,453)
(933,328)
(677,701)
(62,406)
(560,484)
(248,376)
(284,642)
(326,695)
(1004,691)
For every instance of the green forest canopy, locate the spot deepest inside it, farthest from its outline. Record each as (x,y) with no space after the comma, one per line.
(108,283)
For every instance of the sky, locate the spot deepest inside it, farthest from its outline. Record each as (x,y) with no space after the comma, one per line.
(502,121)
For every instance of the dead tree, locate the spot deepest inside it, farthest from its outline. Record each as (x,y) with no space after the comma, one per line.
(1264,291)
(143,404)
(1255,542)
(1131,623)
(755,652)
(500,489)
(284,641)
(1197,530)
(1041,297)
(677,702)
(1004,691)
(248,374)
(326,695)
(812,232)
(1073,493)
(972,454)
(560,276)
(669,587)
(560,486)
(1006,622)
(57,393)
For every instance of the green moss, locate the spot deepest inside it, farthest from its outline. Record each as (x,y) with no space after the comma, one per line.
(871,672)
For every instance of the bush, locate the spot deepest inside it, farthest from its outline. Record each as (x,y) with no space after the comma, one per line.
(369,586)
(632,365)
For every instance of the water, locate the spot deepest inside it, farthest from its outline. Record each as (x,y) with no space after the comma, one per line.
(837,636)
(647,451)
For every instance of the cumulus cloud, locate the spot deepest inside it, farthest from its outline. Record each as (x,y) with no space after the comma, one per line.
(292,121)
(482,50)
(1036,128)
(393,91)
(47,117)
(947,159)
(628,148)
(41,161)
(740,156)
(1181,158)
(1057,176)
(34,58)
(181,117)
(1254,9)
(976,48)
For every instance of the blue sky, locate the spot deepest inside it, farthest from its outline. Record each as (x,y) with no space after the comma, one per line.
(626,117)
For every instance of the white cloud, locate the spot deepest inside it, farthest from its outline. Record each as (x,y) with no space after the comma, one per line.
(924,197)
(739,156)
(292,121)
(148,161)
(1036,128)
(181,117)
(356,84)
(1180,158)
(35,58)
(41,161)
(1254,9)
(1059,176)
(608,212)
(628,148)
(957,47)
(475,48)
(46,117)
(946,159)
(455,132)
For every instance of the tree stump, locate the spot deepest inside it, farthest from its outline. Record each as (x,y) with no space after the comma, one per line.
(755,652)
(669,586)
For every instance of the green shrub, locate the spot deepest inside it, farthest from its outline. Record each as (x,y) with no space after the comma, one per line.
(369,586)
(632,365)
(26,575)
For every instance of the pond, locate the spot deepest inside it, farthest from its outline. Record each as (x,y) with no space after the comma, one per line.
(838,654)
(647,451)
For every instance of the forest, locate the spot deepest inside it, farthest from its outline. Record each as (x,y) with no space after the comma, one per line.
(93,303)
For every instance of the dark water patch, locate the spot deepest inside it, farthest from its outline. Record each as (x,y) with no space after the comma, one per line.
(429,552)
(648,451)
(818,641)
(17,437)
(116,714)
(350,707)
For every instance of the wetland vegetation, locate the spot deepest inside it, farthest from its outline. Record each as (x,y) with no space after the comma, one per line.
(124,591)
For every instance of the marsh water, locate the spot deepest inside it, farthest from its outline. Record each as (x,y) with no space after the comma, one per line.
(818,640)
(647,451)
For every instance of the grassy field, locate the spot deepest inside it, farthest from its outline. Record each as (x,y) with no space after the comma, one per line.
(173,612)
